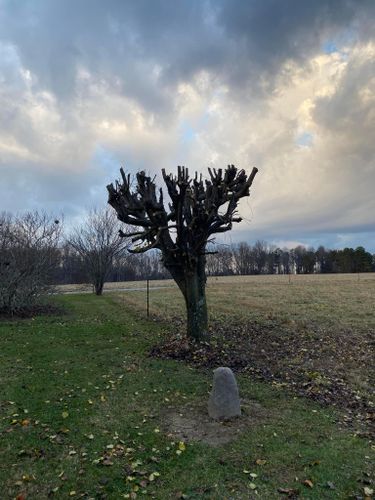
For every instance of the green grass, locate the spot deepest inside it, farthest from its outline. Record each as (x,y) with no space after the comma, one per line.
(75,385)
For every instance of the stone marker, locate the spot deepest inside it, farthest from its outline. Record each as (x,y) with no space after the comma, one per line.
(224,400)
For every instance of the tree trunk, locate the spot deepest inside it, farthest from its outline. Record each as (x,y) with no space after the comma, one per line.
(98,286)
(192,283)
(195,299)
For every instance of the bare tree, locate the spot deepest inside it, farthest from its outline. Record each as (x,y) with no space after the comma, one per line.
(97,240)
(260,256)
(220,261)
(198,210)
(28,259)
(243,258)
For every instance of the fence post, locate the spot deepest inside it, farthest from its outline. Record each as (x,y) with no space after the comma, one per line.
(148,297)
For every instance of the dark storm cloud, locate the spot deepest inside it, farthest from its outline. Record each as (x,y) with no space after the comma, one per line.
(122,42)
(144,48)
(274,31)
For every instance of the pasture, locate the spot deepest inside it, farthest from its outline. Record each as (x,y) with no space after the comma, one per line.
(87,412)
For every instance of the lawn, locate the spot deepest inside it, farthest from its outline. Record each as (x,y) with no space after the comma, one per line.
(315,332)
(87,412)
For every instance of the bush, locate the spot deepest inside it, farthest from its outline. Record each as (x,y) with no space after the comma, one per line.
(28,258)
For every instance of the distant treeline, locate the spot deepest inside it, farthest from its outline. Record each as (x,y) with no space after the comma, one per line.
(223,260)
(36,253)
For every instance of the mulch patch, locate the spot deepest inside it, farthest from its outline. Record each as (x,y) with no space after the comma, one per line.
(330,367)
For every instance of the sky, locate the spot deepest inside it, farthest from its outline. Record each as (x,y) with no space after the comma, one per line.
(89,86)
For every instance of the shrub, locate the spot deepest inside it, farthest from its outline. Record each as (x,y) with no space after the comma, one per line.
(28,258)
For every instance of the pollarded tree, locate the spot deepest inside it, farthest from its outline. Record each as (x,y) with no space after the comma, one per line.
(198,209)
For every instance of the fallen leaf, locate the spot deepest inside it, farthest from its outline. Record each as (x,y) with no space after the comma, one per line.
(152,476)
(260,461)
(65,414)
(308,483)
(252,486)
(28,477)
(368,491)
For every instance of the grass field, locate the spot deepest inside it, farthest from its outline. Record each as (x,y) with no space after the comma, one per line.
(87,413)
(320,327)
(347,299)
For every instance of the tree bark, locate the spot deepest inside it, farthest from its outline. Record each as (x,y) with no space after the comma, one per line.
(191,280)
(99,287)
(195,299)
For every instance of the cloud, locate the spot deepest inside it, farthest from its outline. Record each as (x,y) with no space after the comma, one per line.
(146,49)
(88,86)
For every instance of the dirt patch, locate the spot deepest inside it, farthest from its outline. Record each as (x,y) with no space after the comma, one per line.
(193,424)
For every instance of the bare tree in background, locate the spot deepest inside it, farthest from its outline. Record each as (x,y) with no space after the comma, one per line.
(244,258)
(260,256)
(198,210)
(28,259)
(97,240)
(219,261)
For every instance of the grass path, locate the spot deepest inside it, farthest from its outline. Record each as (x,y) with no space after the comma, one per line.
(83,413)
